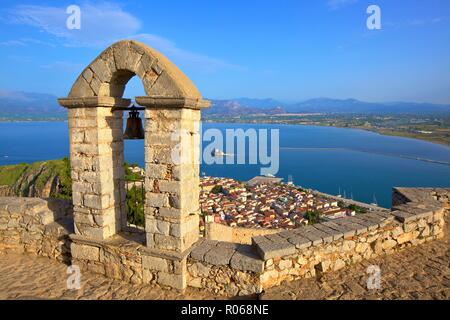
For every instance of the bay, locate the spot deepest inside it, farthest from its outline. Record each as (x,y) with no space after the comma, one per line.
(364,165)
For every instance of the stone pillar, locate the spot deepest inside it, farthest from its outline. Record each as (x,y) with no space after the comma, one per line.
(172,146)
(96,154)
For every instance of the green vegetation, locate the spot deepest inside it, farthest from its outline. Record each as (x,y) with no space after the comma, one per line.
(357,209)
(130,175)
(135,196)
(38,174)
(10,174)
(135,206)
(217,189)
(65,179)
(312,217)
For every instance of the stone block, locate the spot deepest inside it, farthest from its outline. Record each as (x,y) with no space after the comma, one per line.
(247,261)
(154,225)
(173,187)
(81,88)
(85,252)
(404,216)
(175,281)
(46,217)
(334,234)
(155,171)
(348,245)
(158,200)
(94,232)
(300,242)
(407,237)
(346,230)
(339,264)
(268,250)
(92,201)
(199,251)
(358,228)
(285,264)
(195,283)
(269,278)
(165,86)
(218,257)
(314,236)
(171,213)
(164,242)
(389,244)
(199,269)
(155,263)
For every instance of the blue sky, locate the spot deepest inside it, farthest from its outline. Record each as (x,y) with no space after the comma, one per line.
(288,50)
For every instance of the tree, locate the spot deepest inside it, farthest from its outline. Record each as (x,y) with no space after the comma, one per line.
(135,206)
(312,217)
(217,189)
(357,209)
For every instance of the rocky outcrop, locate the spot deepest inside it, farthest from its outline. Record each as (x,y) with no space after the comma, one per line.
(41,179)
(26,185)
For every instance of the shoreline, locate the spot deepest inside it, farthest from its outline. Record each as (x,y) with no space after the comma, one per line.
(398,134)
(383,133)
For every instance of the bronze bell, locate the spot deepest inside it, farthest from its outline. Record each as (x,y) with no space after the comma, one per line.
(134,129)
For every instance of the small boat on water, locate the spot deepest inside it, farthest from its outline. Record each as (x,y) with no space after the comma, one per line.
(339,195)
(374,203)
(217,153)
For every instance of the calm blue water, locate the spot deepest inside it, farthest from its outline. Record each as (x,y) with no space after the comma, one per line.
(361,163)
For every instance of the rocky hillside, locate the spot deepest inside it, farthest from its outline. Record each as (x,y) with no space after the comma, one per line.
(41,179)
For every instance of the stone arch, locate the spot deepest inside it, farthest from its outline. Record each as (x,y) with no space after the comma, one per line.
(109,73)
(95,113)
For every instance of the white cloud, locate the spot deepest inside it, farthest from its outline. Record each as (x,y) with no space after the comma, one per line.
(100,24)
(24,42)
(417,22)
(63,66)
(184,57)
(338,4)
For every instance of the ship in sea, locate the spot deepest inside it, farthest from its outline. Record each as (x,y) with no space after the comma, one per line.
(217,153)
(374,201)
(220,153)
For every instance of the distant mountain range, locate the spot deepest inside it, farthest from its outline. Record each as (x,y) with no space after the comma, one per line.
(247,106)
(20,104)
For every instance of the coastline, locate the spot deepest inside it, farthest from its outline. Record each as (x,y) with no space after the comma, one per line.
(381,132)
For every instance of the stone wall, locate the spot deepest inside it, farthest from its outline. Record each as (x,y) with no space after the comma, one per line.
(42,227)
(96,155)
(117,258)
(224,268)
(125,257)
(311,250)
(221,232)
(172,178)
(36,226)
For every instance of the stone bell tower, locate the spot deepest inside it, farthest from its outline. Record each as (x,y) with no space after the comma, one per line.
(172,142)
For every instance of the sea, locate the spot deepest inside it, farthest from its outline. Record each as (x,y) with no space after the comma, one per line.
(356,164)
